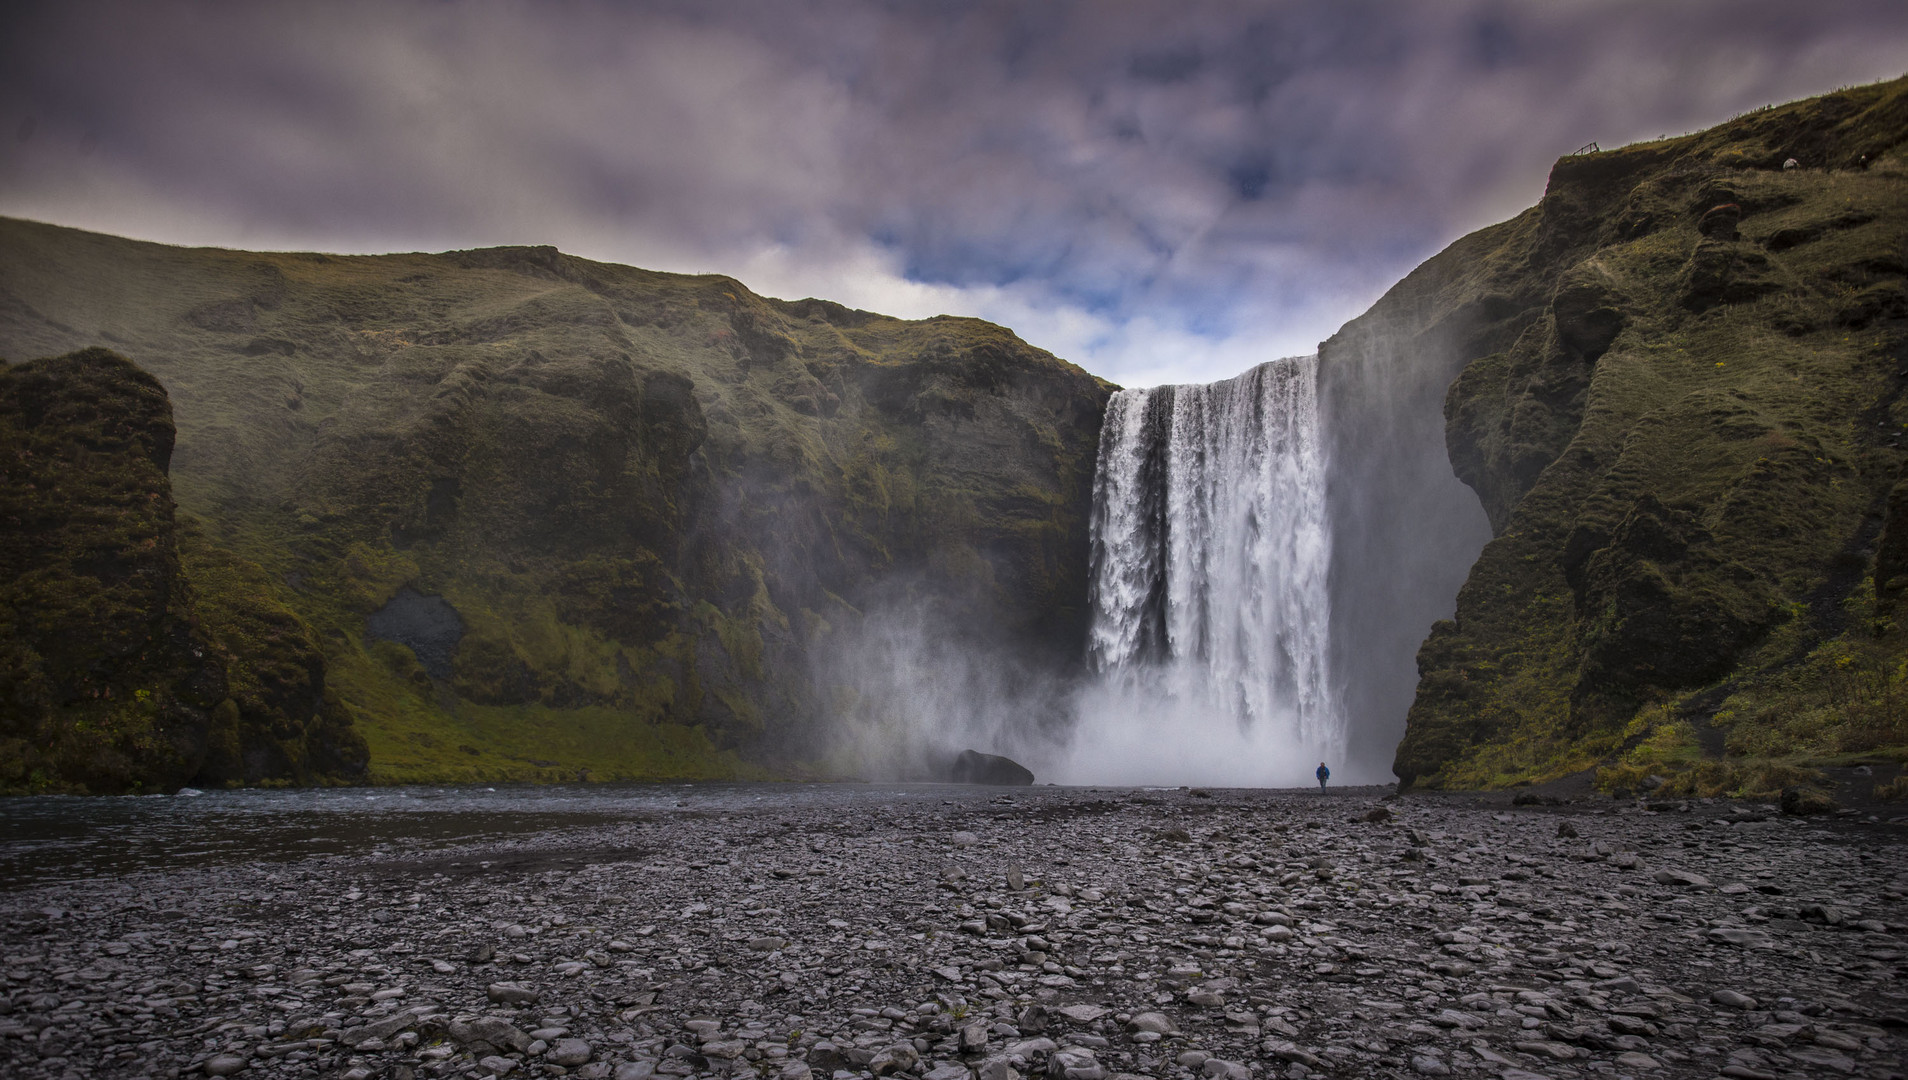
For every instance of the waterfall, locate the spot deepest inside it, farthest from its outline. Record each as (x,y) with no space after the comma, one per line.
(1211,615)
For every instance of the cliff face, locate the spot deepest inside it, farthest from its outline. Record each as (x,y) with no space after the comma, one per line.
(130,658)
(542,517)
(1680,406)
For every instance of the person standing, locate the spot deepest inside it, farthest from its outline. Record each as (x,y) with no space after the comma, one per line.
(1323,775)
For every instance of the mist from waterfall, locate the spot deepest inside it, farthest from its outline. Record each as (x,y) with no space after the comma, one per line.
(1211,632)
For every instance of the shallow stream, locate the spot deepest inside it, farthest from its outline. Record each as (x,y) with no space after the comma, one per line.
(71,838)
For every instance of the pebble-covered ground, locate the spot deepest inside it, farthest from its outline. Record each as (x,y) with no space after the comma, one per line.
(1074,933)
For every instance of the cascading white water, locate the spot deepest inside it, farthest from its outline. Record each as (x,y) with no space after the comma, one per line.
(1211,614)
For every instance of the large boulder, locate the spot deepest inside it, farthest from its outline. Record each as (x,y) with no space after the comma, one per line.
(974,767)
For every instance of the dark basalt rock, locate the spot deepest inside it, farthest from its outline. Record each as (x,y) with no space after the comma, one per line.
(427,625)
(974,767)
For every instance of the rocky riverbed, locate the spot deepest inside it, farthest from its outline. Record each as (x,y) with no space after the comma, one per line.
(1078,934)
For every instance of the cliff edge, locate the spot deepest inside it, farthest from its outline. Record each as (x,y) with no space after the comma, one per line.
(1680,405)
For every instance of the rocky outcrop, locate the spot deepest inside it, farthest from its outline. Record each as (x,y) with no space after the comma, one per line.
(660,506)
(974,767)
(1680,406)
(133,654)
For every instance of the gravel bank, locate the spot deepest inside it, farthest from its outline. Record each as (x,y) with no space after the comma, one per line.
(1073,933)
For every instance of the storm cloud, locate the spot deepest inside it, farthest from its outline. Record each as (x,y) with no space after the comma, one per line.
(1158,191)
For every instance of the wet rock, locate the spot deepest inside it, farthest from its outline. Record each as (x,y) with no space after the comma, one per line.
(974,767)
(1802,801)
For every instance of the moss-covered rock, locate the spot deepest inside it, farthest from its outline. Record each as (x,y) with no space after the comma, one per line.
(1681,407)
(106,681)
(656,503)
(133,654)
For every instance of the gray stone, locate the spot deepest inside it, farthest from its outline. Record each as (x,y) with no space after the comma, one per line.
(1156,1022)
(827,1058)
(1075,1063)
(1030,1048)
(1553,1050)
(510,993)
(225,1064)
(901,1057)
(492,1031)
(568,1052)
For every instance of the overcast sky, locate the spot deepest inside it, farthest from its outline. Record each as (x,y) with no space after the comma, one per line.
(1168,190)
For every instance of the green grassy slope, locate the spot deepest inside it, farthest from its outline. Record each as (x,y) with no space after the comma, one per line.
(653,500)
(1681,408)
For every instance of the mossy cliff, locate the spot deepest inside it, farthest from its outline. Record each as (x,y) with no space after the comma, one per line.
(626,516)
(1679,400)
(134,654)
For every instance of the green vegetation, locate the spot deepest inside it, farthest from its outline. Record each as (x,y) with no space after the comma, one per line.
(1683,412)
(134,655)
(653,500)
(657,502)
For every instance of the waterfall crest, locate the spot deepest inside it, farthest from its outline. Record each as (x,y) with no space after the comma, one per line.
(1211,611)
